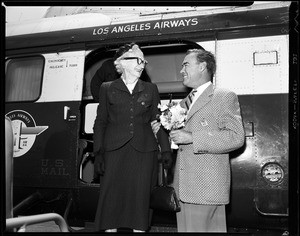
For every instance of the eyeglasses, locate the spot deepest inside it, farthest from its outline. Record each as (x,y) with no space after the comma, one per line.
(139,60)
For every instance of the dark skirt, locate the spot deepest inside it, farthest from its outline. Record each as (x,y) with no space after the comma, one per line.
(125,189)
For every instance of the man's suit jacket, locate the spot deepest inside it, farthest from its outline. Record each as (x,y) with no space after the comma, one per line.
(123,117)
(202,174)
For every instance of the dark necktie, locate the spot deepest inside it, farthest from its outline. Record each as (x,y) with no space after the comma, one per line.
(190,98)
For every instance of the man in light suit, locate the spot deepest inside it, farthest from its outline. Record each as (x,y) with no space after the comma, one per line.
(213,129)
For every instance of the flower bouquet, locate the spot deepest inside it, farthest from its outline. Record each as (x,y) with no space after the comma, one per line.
(172,117)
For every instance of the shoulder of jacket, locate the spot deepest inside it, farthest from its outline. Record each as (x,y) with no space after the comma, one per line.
(222,91)
(107,84)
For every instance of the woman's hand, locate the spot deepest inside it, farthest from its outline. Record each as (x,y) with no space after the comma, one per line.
(167,160)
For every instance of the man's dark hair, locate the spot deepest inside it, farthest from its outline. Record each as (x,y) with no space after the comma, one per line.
(205,56)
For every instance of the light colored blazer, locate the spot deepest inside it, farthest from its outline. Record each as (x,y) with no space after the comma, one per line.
(202,173)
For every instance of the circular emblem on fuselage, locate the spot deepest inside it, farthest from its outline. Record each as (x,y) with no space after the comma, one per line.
(24,131)
(272,172)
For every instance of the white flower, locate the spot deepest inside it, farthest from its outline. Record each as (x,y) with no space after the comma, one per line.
(173,116)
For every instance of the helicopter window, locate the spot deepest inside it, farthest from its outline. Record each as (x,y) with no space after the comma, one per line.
(23,79)
(265,58)
(164,67)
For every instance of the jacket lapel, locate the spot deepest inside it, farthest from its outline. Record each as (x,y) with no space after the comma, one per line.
(204,98)
(139,87)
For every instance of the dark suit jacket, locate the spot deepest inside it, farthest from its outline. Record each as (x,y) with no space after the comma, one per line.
(123,117)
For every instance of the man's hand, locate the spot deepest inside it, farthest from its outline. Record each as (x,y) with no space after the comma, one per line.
(167,160)
(99,166)
(155,125)
(181,136)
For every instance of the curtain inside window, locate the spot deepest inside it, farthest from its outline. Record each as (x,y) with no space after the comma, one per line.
(23,79)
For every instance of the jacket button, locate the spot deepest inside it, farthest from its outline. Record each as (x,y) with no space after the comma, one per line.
(180,149)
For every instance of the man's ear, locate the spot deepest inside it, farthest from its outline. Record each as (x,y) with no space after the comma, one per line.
(202,66)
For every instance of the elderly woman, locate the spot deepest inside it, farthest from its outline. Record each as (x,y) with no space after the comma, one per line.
(125,147)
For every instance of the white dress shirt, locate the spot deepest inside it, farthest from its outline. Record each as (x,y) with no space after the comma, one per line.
(200,90)
(130,86)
